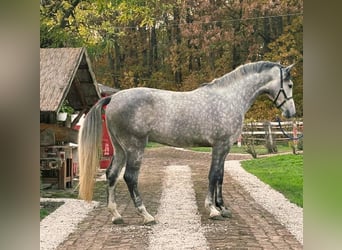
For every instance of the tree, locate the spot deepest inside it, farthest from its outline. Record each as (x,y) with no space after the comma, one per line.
(178,45)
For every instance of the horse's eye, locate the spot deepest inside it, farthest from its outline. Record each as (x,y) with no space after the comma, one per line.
(290,86)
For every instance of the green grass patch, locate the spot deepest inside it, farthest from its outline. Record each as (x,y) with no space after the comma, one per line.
(60,193)
(152,144)
(201,149)
(260,149)
(48,207)
(43,213)
(283,173)
(98,195)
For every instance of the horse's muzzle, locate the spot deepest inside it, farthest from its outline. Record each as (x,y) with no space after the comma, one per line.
(288,114)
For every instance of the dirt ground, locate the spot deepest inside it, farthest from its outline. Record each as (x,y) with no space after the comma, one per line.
(251,226)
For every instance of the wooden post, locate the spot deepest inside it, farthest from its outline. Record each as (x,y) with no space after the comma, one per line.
(295,133)
(270,142)
(239,141)
(61,176)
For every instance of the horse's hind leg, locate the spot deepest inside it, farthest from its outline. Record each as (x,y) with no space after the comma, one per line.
(112,175)
(134,158)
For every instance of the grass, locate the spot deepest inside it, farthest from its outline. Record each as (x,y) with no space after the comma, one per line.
(48,207)
(153,145)
(43,213)
(260,149)
(99,192)
(283,173)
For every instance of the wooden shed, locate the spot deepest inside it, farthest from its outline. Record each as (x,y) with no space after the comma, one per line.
(65,75)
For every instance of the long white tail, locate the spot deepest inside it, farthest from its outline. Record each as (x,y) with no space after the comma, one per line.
(89,142)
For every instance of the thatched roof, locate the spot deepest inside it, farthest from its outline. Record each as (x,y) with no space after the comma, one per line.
(65,73)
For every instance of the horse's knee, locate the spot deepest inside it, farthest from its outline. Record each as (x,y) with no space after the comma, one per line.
(111,178)
(113,172)
(107,173)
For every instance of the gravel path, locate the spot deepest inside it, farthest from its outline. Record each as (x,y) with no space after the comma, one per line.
(179,224)
(288,214)
(56,227)
(179,221)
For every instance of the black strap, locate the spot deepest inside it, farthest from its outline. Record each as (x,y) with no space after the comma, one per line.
(281,90)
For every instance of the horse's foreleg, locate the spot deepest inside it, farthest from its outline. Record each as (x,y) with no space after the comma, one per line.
(218,197)
(112,175)
(131,179)
(214,213)
(214,198)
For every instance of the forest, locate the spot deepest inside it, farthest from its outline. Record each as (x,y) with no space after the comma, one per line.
(179,45)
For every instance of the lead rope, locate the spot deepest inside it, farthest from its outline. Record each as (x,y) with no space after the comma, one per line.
(287,135)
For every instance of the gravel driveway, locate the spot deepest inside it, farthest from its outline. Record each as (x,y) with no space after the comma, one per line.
(173,184)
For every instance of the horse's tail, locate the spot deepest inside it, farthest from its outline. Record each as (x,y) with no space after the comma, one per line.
(89,141)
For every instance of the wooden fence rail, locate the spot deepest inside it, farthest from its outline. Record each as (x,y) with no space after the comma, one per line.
(259,131)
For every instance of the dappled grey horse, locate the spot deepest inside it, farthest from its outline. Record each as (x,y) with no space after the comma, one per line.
(211,115)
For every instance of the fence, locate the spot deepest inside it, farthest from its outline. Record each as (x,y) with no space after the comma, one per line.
(269,133)
(260,130)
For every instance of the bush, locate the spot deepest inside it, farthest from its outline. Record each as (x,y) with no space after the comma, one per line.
(248,139)
(300,145)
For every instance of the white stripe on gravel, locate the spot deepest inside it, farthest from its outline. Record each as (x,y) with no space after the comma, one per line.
(178,220)
(56,227)
(287,213)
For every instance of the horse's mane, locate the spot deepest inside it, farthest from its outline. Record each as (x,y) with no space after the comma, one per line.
(240,72)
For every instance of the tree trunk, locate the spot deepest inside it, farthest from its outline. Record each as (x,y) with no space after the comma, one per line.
(153,64)
(114,65)
(178,38)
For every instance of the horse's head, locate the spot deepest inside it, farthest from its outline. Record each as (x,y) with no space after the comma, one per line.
(281,91)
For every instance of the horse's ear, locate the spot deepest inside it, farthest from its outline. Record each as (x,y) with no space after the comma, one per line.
(288,68)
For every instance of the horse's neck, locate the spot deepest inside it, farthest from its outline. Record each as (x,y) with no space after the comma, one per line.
(244,91)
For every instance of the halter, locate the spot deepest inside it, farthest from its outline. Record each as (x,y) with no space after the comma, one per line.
(281,90)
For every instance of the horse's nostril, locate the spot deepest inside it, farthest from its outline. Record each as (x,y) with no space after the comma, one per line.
(288,114)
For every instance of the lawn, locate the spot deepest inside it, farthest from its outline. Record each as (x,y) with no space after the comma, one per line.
(47,208)
(283,173)
(260,149)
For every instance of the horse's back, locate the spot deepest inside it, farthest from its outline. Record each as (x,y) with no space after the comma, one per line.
(149,112)
(148,101)
(168,117)
(131,110)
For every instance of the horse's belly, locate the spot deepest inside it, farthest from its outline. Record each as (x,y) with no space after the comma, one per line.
(180,138)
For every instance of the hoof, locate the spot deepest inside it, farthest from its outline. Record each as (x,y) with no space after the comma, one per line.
(226,213)
(216,217)
(118,220)
(150,223)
